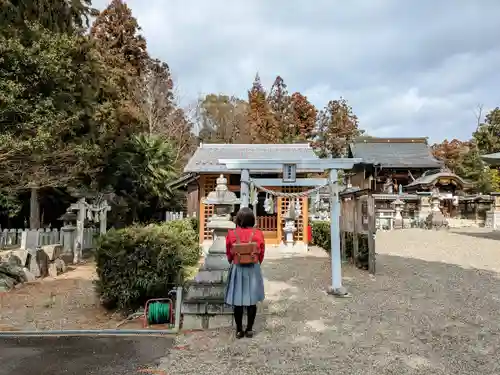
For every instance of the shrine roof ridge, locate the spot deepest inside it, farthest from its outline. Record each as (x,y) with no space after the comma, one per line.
(394,152)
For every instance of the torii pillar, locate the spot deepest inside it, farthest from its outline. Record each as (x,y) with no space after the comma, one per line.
(331,165)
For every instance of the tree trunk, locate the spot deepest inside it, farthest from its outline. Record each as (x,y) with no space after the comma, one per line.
(34,209)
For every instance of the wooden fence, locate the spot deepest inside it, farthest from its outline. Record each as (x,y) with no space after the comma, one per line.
(171,215)
(357,229)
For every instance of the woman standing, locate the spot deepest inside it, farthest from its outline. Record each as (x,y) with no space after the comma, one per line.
(245,283)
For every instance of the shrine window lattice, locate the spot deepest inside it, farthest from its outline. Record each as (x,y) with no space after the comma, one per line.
(209,185)
(285,203)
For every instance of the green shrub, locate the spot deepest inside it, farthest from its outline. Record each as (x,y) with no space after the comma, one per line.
(137,263)
(195,223)
(321,235)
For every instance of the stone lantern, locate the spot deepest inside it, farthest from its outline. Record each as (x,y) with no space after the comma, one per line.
(289,228)
(436,219)
(398,218)
(203,305)
(68,235)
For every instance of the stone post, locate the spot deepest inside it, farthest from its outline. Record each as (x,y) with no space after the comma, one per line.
(103,217)
(203,305)
(493,215)
(398,218)
(245,188)
(67,239)
(81,208)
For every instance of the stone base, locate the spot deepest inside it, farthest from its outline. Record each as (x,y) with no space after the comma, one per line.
(436,220)
(296,248)
(340,292)
(398,223)
(207,321)
(204,308)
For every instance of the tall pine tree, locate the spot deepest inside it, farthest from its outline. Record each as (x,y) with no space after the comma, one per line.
(281,108)
(261,120)
(122,52)
(304,118)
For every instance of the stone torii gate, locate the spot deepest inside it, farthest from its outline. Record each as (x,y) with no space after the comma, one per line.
(289,179)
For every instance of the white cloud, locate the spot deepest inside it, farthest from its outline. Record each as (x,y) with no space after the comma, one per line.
(407,68)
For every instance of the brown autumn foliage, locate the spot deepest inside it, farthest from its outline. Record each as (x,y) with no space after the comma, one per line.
(223,119)
(337,127)
(451,153)
(117,34)
(304,117)
(260,118)
(280,105)
(122,52)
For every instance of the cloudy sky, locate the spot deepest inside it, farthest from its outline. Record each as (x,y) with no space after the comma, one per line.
(408,68)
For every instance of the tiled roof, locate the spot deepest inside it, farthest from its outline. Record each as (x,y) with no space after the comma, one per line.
(395,152)
(183,180)
(431,176)
(492,159)
(205,159)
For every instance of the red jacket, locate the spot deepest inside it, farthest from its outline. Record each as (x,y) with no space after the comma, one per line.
(244,235)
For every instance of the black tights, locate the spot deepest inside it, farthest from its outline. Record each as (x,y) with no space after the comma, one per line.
(238,317)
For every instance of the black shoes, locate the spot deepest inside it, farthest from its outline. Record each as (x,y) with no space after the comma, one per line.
(241,334)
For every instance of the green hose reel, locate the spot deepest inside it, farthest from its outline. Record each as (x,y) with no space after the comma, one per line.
(159,312)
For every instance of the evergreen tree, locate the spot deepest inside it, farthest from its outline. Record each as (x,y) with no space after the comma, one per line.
(304,118)
(280,106)
(487,135)
(122,48)
(61,16)
(261,120)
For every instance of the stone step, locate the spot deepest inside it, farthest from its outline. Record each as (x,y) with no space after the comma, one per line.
(207,321)
(211,276)
(204,307)
(210,291)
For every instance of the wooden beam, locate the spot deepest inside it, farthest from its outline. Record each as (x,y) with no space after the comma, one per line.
(310,164)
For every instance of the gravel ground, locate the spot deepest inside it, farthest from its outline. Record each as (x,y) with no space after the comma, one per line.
(433,308)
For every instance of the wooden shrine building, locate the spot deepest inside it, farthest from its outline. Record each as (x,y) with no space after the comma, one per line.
(390,162)
(203,169)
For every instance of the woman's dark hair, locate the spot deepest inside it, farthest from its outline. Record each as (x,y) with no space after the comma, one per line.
(245,218)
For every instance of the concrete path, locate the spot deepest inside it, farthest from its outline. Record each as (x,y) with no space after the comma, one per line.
(82,355)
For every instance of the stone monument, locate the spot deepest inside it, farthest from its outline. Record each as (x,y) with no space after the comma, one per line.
(203,303)
(493,215)
(398,218)
(424,208)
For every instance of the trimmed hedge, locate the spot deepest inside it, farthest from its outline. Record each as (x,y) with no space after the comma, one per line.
(137,263)
(321,237)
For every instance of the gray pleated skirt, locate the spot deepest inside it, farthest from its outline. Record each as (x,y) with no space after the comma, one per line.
(245,285)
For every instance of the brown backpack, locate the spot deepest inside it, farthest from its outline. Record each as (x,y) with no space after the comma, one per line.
(245,253)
